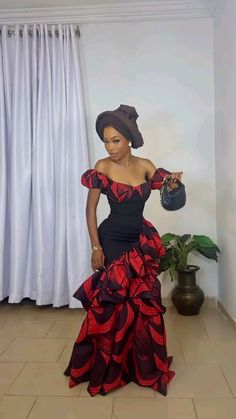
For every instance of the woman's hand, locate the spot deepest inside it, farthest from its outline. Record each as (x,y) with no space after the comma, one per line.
(97,259)
(174,177)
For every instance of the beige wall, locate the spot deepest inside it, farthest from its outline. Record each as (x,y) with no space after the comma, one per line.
(225,116)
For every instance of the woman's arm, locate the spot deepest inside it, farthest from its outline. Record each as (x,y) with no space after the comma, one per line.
(97,259)
(91,216)
(151,168)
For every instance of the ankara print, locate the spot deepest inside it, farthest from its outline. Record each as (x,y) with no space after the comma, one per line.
(123,335)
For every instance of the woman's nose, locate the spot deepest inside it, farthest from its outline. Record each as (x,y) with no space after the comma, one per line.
(110,146)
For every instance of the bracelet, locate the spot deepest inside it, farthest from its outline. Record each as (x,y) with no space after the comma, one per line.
(96,248)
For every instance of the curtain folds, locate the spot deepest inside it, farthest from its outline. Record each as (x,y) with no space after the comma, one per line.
(44,246)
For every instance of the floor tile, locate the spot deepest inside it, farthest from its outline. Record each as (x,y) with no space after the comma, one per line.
(129,390)
(210,351)
(215,408)
(15,407)
(34,349)
(134,408)
(71,408)
(4,343)
(211,312)
(186,326)
(65,328)
(59,314)
(26,328)
(66,354)
(3,322)
(197,380)
(219,328)
(17,314)
(8,373)
(42,379)
(174,348)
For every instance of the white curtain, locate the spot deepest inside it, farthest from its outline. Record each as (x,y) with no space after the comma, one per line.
(44,246)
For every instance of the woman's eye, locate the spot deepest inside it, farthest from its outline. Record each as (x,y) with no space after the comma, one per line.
(114,141)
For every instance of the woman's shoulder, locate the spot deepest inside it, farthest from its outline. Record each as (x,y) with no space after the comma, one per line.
(96,177)
(147,165)
(102,165)
(143,161)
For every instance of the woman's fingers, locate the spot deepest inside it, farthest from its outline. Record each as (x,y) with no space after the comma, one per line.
(97,261)
(176,176)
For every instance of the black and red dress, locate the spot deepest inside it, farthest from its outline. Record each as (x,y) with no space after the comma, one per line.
(123,336)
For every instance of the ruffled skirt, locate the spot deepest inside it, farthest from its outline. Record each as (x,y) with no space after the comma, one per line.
(123,336)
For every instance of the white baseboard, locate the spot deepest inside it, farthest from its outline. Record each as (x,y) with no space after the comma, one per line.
(226,314)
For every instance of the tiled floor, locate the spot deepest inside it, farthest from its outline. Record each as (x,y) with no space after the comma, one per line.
(36,342)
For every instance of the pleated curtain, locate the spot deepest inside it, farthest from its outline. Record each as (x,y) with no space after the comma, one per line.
(44,245)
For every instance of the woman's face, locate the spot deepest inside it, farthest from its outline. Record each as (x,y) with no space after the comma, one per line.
(116,144)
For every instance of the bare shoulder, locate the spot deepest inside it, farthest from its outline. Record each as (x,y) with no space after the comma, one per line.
(102,165)
(147,165)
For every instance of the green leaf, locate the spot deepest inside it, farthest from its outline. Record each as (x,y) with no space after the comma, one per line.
(167,238)
(183,239)
(189,247)
(206,247)
(166,260)
(204,241)
(209,253)
(178,247)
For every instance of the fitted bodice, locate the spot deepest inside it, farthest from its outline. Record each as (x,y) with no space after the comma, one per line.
(122,228)
(126,200)
(129,208)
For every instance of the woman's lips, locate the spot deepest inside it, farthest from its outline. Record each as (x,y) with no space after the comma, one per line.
(113,155)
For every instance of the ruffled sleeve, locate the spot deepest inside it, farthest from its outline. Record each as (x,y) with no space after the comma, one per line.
(157,179)
(94,179)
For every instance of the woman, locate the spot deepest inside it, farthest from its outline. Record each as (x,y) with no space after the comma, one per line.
(123,337)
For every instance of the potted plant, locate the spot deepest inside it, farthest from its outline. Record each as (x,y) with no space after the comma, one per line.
(187,296)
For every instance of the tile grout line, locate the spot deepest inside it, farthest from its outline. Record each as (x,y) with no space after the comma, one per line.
(205,328)
(58,360)
(64,347)
(32,407)
(112,409)
(45,335)
(6,347)
(219,365)
(194,408)
(8,388)
(80,388)
(182,351)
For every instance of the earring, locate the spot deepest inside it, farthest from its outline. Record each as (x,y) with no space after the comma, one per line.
(130,144)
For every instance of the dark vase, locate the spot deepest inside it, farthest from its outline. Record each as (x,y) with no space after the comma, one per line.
(186,295)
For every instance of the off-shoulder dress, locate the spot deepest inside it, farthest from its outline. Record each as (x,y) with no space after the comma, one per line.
(123,337)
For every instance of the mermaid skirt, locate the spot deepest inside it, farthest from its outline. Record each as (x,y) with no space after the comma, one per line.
(123,336)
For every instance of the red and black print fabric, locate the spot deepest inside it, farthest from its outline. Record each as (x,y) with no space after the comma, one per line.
(123,335)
